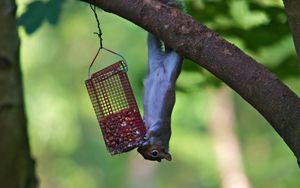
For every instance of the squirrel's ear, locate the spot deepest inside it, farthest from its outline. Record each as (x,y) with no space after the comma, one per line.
(168,156)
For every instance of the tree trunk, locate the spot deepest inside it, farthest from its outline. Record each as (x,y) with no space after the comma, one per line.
(193,40)
(226,144)
(141,172)
(16,164)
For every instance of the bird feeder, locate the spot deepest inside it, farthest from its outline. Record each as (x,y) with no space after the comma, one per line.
(116,109)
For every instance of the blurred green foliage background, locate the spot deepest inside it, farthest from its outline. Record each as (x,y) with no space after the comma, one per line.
(57,46)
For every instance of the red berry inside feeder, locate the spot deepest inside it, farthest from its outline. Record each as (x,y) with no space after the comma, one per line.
(116,109)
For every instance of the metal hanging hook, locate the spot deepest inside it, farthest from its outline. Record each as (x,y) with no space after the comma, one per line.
(99,34)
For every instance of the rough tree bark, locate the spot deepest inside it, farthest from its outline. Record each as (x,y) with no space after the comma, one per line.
(16,164)
(262,89)
(292,9)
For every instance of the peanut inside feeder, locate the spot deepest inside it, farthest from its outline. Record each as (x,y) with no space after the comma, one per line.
(116,109)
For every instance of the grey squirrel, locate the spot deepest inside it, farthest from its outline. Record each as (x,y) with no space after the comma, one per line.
(164,67)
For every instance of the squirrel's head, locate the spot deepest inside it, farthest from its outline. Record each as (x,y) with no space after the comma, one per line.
(154,152)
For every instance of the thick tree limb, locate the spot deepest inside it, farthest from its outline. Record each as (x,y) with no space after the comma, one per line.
(292,9)
(276,102)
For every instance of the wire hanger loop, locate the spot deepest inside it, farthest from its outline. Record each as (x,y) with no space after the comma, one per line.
(99,34)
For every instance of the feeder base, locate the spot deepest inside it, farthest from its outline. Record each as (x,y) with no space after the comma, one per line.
(123,131)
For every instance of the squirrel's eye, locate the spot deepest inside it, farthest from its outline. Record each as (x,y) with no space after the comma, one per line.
(154,153)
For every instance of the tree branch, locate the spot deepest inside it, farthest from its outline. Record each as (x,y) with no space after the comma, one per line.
(275,101)
(292,9)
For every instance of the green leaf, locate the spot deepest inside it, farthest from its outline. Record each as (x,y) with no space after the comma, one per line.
(33,17)
(54,11)
(39,11)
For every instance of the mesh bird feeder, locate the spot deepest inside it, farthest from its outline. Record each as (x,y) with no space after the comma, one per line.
(115,106)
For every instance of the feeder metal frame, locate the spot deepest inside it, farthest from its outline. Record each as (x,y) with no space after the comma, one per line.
(116,109)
